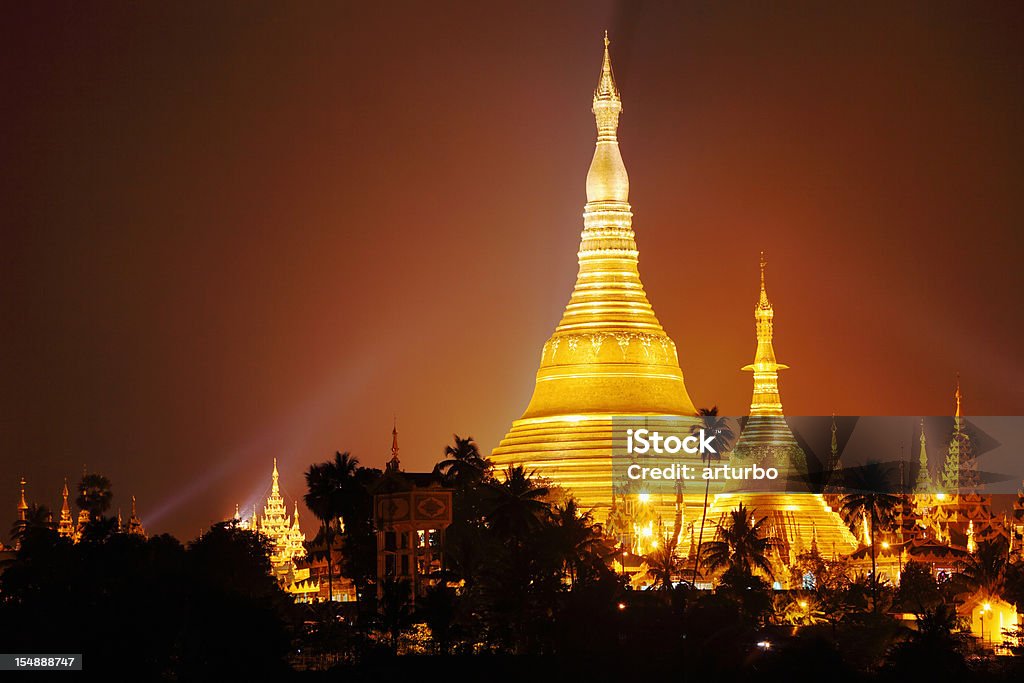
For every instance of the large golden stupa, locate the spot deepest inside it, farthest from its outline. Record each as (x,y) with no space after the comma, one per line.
(609,355)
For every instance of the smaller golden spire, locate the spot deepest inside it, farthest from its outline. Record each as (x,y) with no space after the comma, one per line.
(835,441)
(959,396)
(394,464)
(22,505)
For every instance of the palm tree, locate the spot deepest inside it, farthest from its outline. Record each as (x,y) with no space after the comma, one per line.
(37,518)
(868,496)
(740,545)
(577,539)
(986,569)
(329,487)
(724,434)
(94,495)
(518,506)
(664,564)
(463,463)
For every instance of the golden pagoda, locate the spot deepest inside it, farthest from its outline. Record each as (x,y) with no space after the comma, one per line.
(797,519)
(66,524)
(134,526)
(22,505)
(609,355)
(287,542)
(923,485)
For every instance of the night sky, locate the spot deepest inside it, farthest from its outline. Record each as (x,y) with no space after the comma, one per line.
(264,229)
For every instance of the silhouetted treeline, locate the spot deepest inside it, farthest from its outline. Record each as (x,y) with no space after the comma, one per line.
(152,608)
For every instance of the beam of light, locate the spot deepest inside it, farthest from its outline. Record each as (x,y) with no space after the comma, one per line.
(284,439)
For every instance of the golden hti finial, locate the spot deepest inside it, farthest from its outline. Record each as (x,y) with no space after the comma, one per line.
(607,101)
(762,302)
(606,88)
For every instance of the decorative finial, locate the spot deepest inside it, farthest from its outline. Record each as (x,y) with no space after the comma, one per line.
(762,302)
(959,396)
(22,505)
(606,88)
(133,506)
(394,464)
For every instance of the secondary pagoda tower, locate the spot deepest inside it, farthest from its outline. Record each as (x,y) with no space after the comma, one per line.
(796,519)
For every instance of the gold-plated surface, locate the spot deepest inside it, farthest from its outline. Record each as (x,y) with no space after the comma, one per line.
(609,354)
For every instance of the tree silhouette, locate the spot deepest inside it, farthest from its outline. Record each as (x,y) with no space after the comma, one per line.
(723,432)
(740,545)
(867,495)
(94,495)
(329,486)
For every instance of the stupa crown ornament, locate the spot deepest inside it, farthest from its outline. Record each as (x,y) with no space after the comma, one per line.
(766,399)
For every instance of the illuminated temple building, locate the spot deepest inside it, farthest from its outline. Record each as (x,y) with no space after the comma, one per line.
(609,355)
(287,542)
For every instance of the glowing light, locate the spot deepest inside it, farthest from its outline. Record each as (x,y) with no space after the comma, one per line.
(885,545)
(803,604)
(644,497)
(987,607)
(941,496)
(764,645)
(622,606)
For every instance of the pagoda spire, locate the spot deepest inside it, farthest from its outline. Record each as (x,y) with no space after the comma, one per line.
(22,505)
(394,464)
(608,336)
(834,444)
(66,524)
(766,399)
(924,479)
(959,398)
(274,481)
(957,471)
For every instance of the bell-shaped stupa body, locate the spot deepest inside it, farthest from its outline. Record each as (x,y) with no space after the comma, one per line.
(609,355)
